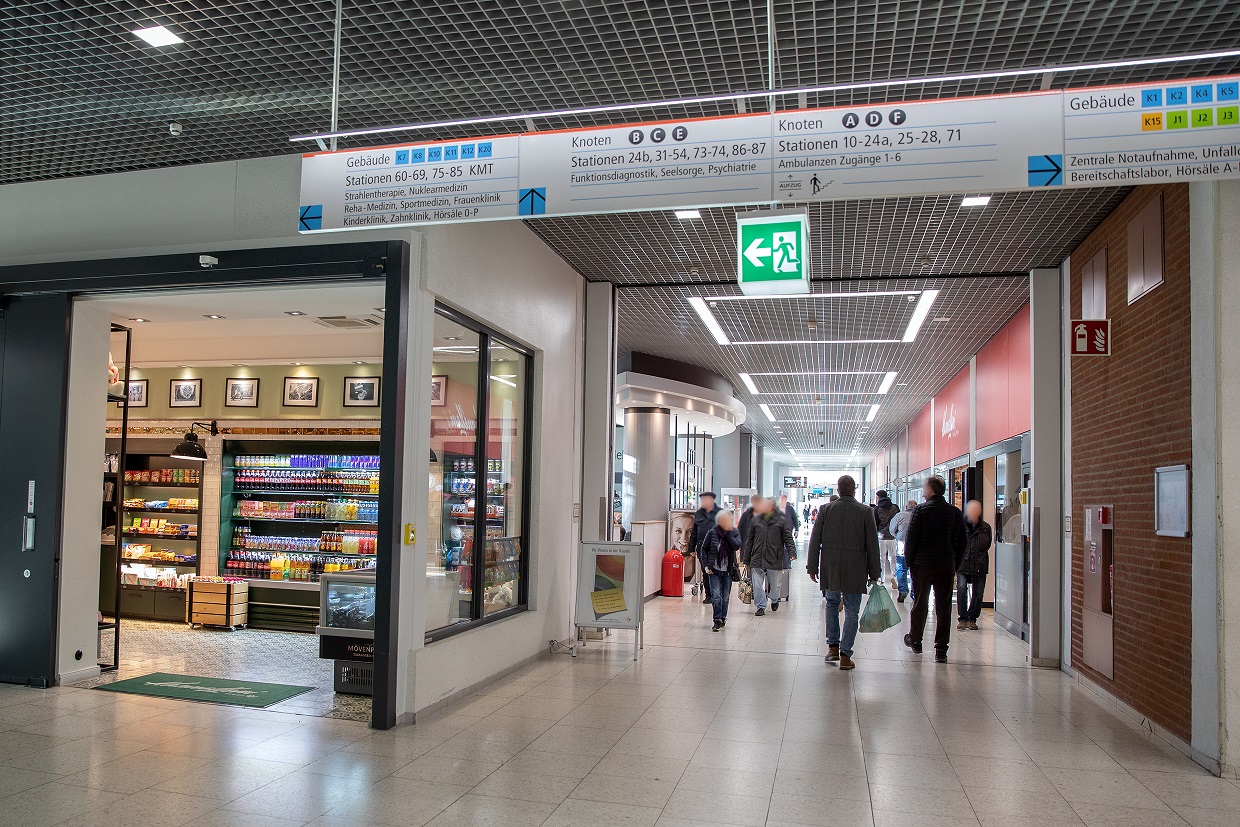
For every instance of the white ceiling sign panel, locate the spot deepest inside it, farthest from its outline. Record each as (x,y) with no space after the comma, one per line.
(1118,135)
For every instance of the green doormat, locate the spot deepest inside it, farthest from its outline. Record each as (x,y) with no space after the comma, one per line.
(208,690)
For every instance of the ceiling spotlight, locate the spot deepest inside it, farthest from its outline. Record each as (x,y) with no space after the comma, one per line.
(452,338)
(139,320)
(213,316)
(175,129)
(687,215)
(297,364)
(813,324)
(239,364)
(359,363)
(293,313)
(925,261)
(158,36)
(381,309)
(975,201)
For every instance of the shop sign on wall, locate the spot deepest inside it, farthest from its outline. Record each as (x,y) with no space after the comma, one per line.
(1093,137)
(1091,337)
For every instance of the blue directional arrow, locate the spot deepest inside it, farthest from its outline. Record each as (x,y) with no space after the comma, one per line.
(532,201)
(1046,170)
(310,217)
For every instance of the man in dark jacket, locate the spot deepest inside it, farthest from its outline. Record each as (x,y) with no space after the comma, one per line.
(973,569)
(933,551)
(747,516)
(843,556)
(703,522)
(763,552)
(884,511)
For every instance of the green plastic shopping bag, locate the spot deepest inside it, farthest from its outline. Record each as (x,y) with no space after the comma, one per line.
(880,612)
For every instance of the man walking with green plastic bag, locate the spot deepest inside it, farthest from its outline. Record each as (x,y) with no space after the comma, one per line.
(843,557)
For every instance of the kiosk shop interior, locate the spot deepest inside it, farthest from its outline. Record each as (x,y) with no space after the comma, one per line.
(243,501)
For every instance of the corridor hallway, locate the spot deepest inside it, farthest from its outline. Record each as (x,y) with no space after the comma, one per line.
(746,727)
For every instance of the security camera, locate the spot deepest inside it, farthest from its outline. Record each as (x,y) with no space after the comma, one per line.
(174,129)
(208,261)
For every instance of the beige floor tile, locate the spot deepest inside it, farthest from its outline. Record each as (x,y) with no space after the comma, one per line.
(790,808)
(642,766)
(1205,817)
(1197,790)
(618,789)
(658,743)
(537,762)
(713,780)
(719,808)
(922,801)
(157,809)
(1110,815)
(14,781)
(227,779)
(825,784)
(448,770)
(51,804)
(484,811)
(398,801)
(735,755)
(1118,789)
(1030,820)
(888,818)
(226,818)
(297,795)
(358,766)
(75,756)
(576,812)
(524,786)
(134,772)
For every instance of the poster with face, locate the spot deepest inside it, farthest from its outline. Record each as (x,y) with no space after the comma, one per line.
(679,530)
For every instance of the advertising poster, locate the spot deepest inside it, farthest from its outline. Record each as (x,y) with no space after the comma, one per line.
(609,584)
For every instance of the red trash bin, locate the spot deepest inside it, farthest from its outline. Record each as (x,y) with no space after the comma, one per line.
(673,583)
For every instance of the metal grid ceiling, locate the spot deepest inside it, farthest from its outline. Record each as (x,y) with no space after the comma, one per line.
(80,95)
(827,410)
(892,237)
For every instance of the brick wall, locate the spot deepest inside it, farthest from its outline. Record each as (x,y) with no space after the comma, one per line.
(1130,414)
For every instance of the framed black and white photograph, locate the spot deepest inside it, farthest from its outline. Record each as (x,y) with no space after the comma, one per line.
(301,391)
(137,393)
(185,393)
(361,391)
(1171,501)
(439,391)
(241,393)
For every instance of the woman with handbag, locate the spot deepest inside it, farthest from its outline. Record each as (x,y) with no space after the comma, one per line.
(718,556)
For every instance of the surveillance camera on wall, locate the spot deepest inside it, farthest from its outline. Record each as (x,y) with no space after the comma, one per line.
(174,129)
(208,261)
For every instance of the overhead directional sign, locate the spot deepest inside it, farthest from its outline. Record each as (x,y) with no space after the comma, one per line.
(1157,132)
(772,252)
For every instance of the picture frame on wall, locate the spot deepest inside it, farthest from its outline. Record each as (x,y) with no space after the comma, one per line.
(301,391)
(439,391)
(240,393)
(137,389)
(185,393)
(361,391)
(1172,504)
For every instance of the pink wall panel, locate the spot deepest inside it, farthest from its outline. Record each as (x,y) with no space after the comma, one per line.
(919,441)
(951,419)
(1003,383)
(1020,378)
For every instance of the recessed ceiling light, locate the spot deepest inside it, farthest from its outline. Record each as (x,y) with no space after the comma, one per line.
(975,201)
(686,215)
(920,312)
(158,36)
(297,364)
(381,309)
(294,313)
(901,384)
(238,364)
(748,382)
(873,413)
(766,410)
(452,338)
(359,363)
(941,319)
(708,319)
(139,320)
(213,316)
(887,382)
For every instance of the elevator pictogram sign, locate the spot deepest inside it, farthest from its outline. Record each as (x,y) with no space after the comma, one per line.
(1091,337)
(772,252)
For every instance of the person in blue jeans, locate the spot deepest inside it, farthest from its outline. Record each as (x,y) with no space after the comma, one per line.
(718,556)
(843,559)
(899,528)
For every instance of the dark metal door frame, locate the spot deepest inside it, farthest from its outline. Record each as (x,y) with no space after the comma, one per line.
(266,267)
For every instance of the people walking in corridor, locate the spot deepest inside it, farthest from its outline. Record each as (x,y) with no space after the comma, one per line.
(842,558)
(884,512)
(763,552)
(899,530)
(971,577)
(933,550)
(718,555)
(790,551)
(703,522)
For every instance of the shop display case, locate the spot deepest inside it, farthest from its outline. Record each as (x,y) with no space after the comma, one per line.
(460,500)
(346,628)
(291,514)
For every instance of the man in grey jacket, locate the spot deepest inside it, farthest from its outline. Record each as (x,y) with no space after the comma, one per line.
(843,556)
(763,552)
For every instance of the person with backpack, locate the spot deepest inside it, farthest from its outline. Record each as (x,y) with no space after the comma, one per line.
(884,512)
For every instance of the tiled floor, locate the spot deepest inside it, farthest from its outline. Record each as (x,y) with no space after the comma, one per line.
(744,727)
(247,654)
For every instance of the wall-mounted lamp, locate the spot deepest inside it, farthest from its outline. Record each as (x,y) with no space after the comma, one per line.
(190,448)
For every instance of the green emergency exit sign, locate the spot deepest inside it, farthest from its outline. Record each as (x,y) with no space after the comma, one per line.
(772,253)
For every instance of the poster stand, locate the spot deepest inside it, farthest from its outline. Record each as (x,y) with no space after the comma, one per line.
(610,577)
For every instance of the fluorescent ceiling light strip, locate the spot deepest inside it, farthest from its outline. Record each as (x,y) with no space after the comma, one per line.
(821,404)
(685,215)
(919,314)
(792,451)
(873,413)
(739,96)
(766,410)
(888,381)
(823,373)
(158,36)
(823,342)
(708,319)
(975,201)
(749,383)
(858,295)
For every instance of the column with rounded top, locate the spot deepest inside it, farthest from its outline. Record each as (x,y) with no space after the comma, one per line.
(647,461)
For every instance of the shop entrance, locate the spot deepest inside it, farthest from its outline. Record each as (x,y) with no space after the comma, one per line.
(230,472)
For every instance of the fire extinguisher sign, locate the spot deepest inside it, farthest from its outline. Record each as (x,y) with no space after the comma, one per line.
(1091,337)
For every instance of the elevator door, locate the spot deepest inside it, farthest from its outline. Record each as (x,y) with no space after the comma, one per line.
(34,353)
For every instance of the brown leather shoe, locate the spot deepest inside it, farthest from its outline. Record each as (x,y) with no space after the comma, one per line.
(833,654)
(847,663)
(973,626)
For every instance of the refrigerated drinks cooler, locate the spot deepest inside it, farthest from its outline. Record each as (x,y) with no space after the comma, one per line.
(346,628)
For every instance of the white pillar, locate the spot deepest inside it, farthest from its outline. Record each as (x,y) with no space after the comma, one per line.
(1045,610)
(598,430)
(648,460)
